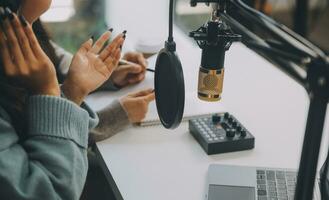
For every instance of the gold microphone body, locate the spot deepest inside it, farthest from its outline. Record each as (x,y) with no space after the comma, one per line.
(210,85)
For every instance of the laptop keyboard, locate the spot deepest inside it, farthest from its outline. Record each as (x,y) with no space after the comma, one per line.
(276,185)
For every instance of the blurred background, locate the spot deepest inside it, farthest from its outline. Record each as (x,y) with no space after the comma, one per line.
(71,22)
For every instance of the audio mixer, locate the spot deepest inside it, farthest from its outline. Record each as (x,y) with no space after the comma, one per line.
(221,133)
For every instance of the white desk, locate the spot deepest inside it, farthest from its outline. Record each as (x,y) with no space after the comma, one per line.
(157,164)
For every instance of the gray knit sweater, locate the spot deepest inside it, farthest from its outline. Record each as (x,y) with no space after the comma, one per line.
(51,162)
(47,159)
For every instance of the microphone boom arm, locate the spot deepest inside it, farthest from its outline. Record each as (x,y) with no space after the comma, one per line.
(305,63)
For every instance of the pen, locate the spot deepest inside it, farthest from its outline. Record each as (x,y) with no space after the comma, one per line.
(125,62)
(150,70)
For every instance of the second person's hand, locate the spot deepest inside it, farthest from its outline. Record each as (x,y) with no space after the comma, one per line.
(130,74)
(92,66)
(136,104)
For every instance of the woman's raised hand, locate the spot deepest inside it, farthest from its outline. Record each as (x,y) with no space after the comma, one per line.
(92,65)
(24,62)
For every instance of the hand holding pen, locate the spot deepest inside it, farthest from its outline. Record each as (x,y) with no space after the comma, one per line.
(131,70)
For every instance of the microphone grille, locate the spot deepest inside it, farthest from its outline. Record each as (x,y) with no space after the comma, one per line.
(210,84)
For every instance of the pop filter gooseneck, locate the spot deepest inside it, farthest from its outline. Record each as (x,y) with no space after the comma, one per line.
(169,81)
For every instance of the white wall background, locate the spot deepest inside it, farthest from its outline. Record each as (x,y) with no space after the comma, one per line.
(144,19)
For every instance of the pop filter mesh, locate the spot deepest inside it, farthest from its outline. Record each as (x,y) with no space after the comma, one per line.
(169,89)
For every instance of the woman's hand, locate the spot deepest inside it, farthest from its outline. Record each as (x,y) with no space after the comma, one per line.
(136,104)
(92,66)
(126,75)
(25,64)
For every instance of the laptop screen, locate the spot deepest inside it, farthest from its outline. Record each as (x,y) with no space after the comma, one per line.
(217,192)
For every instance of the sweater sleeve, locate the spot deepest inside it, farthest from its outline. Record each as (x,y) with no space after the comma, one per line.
(112,120)
(52,162)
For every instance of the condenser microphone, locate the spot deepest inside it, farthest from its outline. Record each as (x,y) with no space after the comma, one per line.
(211,73)
(214,38)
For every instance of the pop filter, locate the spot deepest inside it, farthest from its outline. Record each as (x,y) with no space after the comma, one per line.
(169,82)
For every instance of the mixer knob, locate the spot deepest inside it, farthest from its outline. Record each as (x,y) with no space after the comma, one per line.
(216,118)
(230,133)
(243,133)
(234,124)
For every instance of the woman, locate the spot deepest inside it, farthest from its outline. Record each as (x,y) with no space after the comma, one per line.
(119,114)
(43,136)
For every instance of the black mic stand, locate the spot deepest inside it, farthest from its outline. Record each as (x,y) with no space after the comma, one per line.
(305,63)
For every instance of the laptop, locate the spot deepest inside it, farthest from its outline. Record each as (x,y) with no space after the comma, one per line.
(226,182)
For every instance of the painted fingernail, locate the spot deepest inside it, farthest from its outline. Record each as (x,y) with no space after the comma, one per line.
(92,37)
(2,13)
(124,32)
(9,14)
(23,20)
(111,29)
(120,47)
(124,36)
